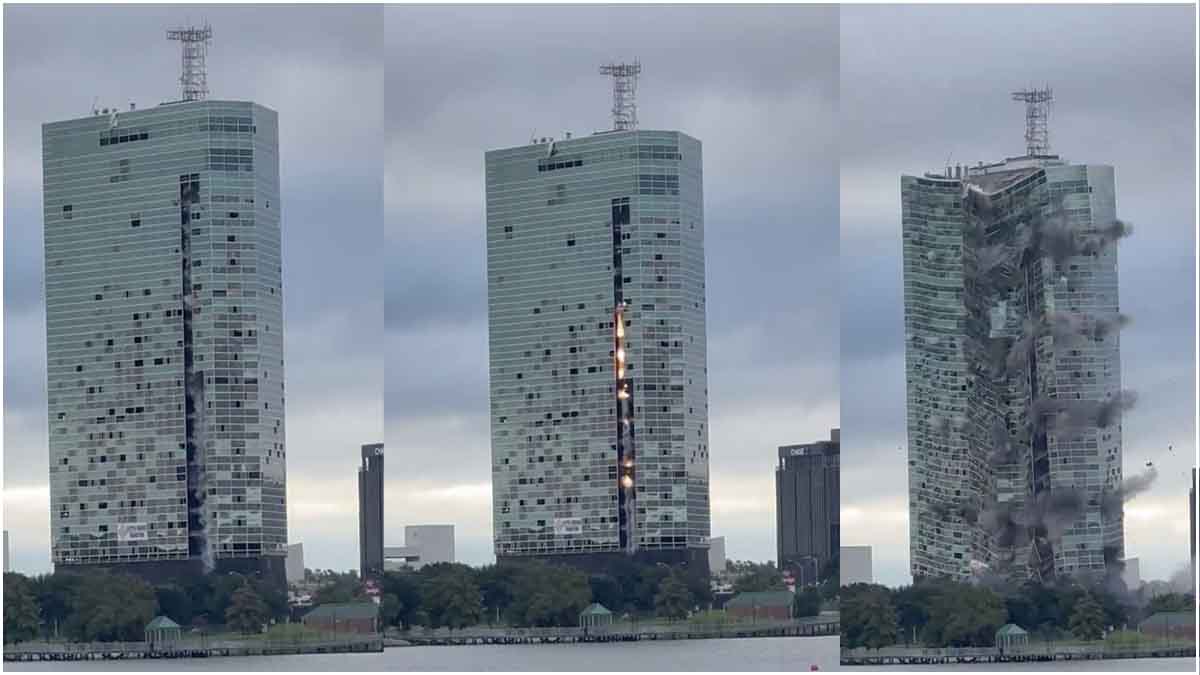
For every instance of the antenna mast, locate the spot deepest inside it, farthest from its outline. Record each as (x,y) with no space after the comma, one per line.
(193,41)
(625,79)
(1037,113)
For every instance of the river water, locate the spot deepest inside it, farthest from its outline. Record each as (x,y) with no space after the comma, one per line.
(750,654)
(778,654)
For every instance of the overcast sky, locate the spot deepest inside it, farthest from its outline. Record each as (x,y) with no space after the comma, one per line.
(321,69)
(757,86)
(921,84)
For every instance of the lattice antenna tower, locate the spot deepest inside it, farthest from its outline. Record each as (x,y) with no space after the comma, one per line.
(193,42)
(625,81)
(1037,115)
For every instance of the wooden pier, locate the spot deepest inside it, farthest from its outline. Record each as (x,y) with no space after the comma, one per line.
(615,634)
(101,651)
(933,657)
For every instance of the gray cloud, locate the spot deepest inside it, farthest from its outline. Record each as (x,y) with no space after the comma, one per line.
(321,69)
(923,83)
(757,85)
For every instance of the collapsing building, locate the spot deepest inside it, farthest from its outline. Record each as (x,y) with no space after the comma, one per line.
(1013,367)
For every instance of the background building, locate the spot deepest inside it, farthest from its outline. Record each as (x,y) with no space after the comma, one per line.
(596,310)
(1192,517)
(370,511)
(1131,574)
(1013,368)
(716,555)
(423,545)
(7,568)
(165,339)
(855,565)
(295,563)
(808,507)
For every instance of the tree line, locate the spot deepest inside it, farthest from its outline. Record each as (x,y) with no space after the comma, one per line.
(101,607)
(937,612)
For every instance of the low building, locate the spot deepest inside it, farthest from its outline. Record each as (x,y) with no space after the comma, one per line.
(1169,625)
(344,617)
(762,606)
(855,565)
(1011,639)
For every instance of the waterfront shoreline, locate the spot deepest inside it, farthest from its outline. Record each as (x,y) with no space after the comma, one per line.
(917,659)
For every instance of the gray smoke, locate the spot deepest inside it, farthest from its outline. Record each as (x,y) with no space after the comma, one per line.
(1109,412)
(1112,501)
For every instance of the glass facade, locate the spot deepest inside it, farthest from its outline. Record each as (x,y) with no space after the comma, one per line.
(164,325)
(1011,469)
(596,310)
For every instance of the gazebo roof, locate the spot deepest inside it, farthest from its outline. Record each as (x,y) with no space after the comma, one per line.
(1011,629)
(595,609)
(160,622)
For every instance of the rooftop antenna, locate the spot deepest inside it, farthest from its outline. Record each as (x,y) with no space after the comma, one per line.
(1037,113)
(194,41)
(625,79)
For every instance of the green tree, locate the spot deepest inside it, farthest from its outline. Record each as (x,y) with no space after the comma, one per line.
(1087,621)
(336,587)
(808,602)
(450,596)
(673,599)
(247,613)
(56,596)
(22,615)
(606,590)
(1171,602)
(868,616)
(112,607)
(389,609)
(549,595)
(174,602)
(753,577)
(405,586)
(963,615)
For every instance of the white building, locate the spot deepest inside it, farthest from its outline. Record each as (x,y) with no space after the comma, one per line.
(855,565)
(164,334)
(295,563)
(423,545)
(1132,574)
(716,555)
(596,313)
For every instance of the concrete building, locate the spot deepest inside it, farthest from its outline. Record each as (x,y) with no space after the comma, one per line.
(1013,369)
(295,563)
(808,507)
(716,555)
(1131,574)
(435,542)
(854,563)
(164,334)
(596,311)
(423,545)
(370,511)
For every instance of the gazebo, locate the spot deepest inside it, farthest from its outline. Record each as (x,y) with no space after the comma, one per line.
(1011,638)
(594,616)
(162,631)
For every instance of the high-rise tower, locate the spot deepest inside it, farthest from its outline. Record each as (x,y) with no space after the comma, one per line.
(164,327)
(596,308)
(370,511)
(1013,369)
